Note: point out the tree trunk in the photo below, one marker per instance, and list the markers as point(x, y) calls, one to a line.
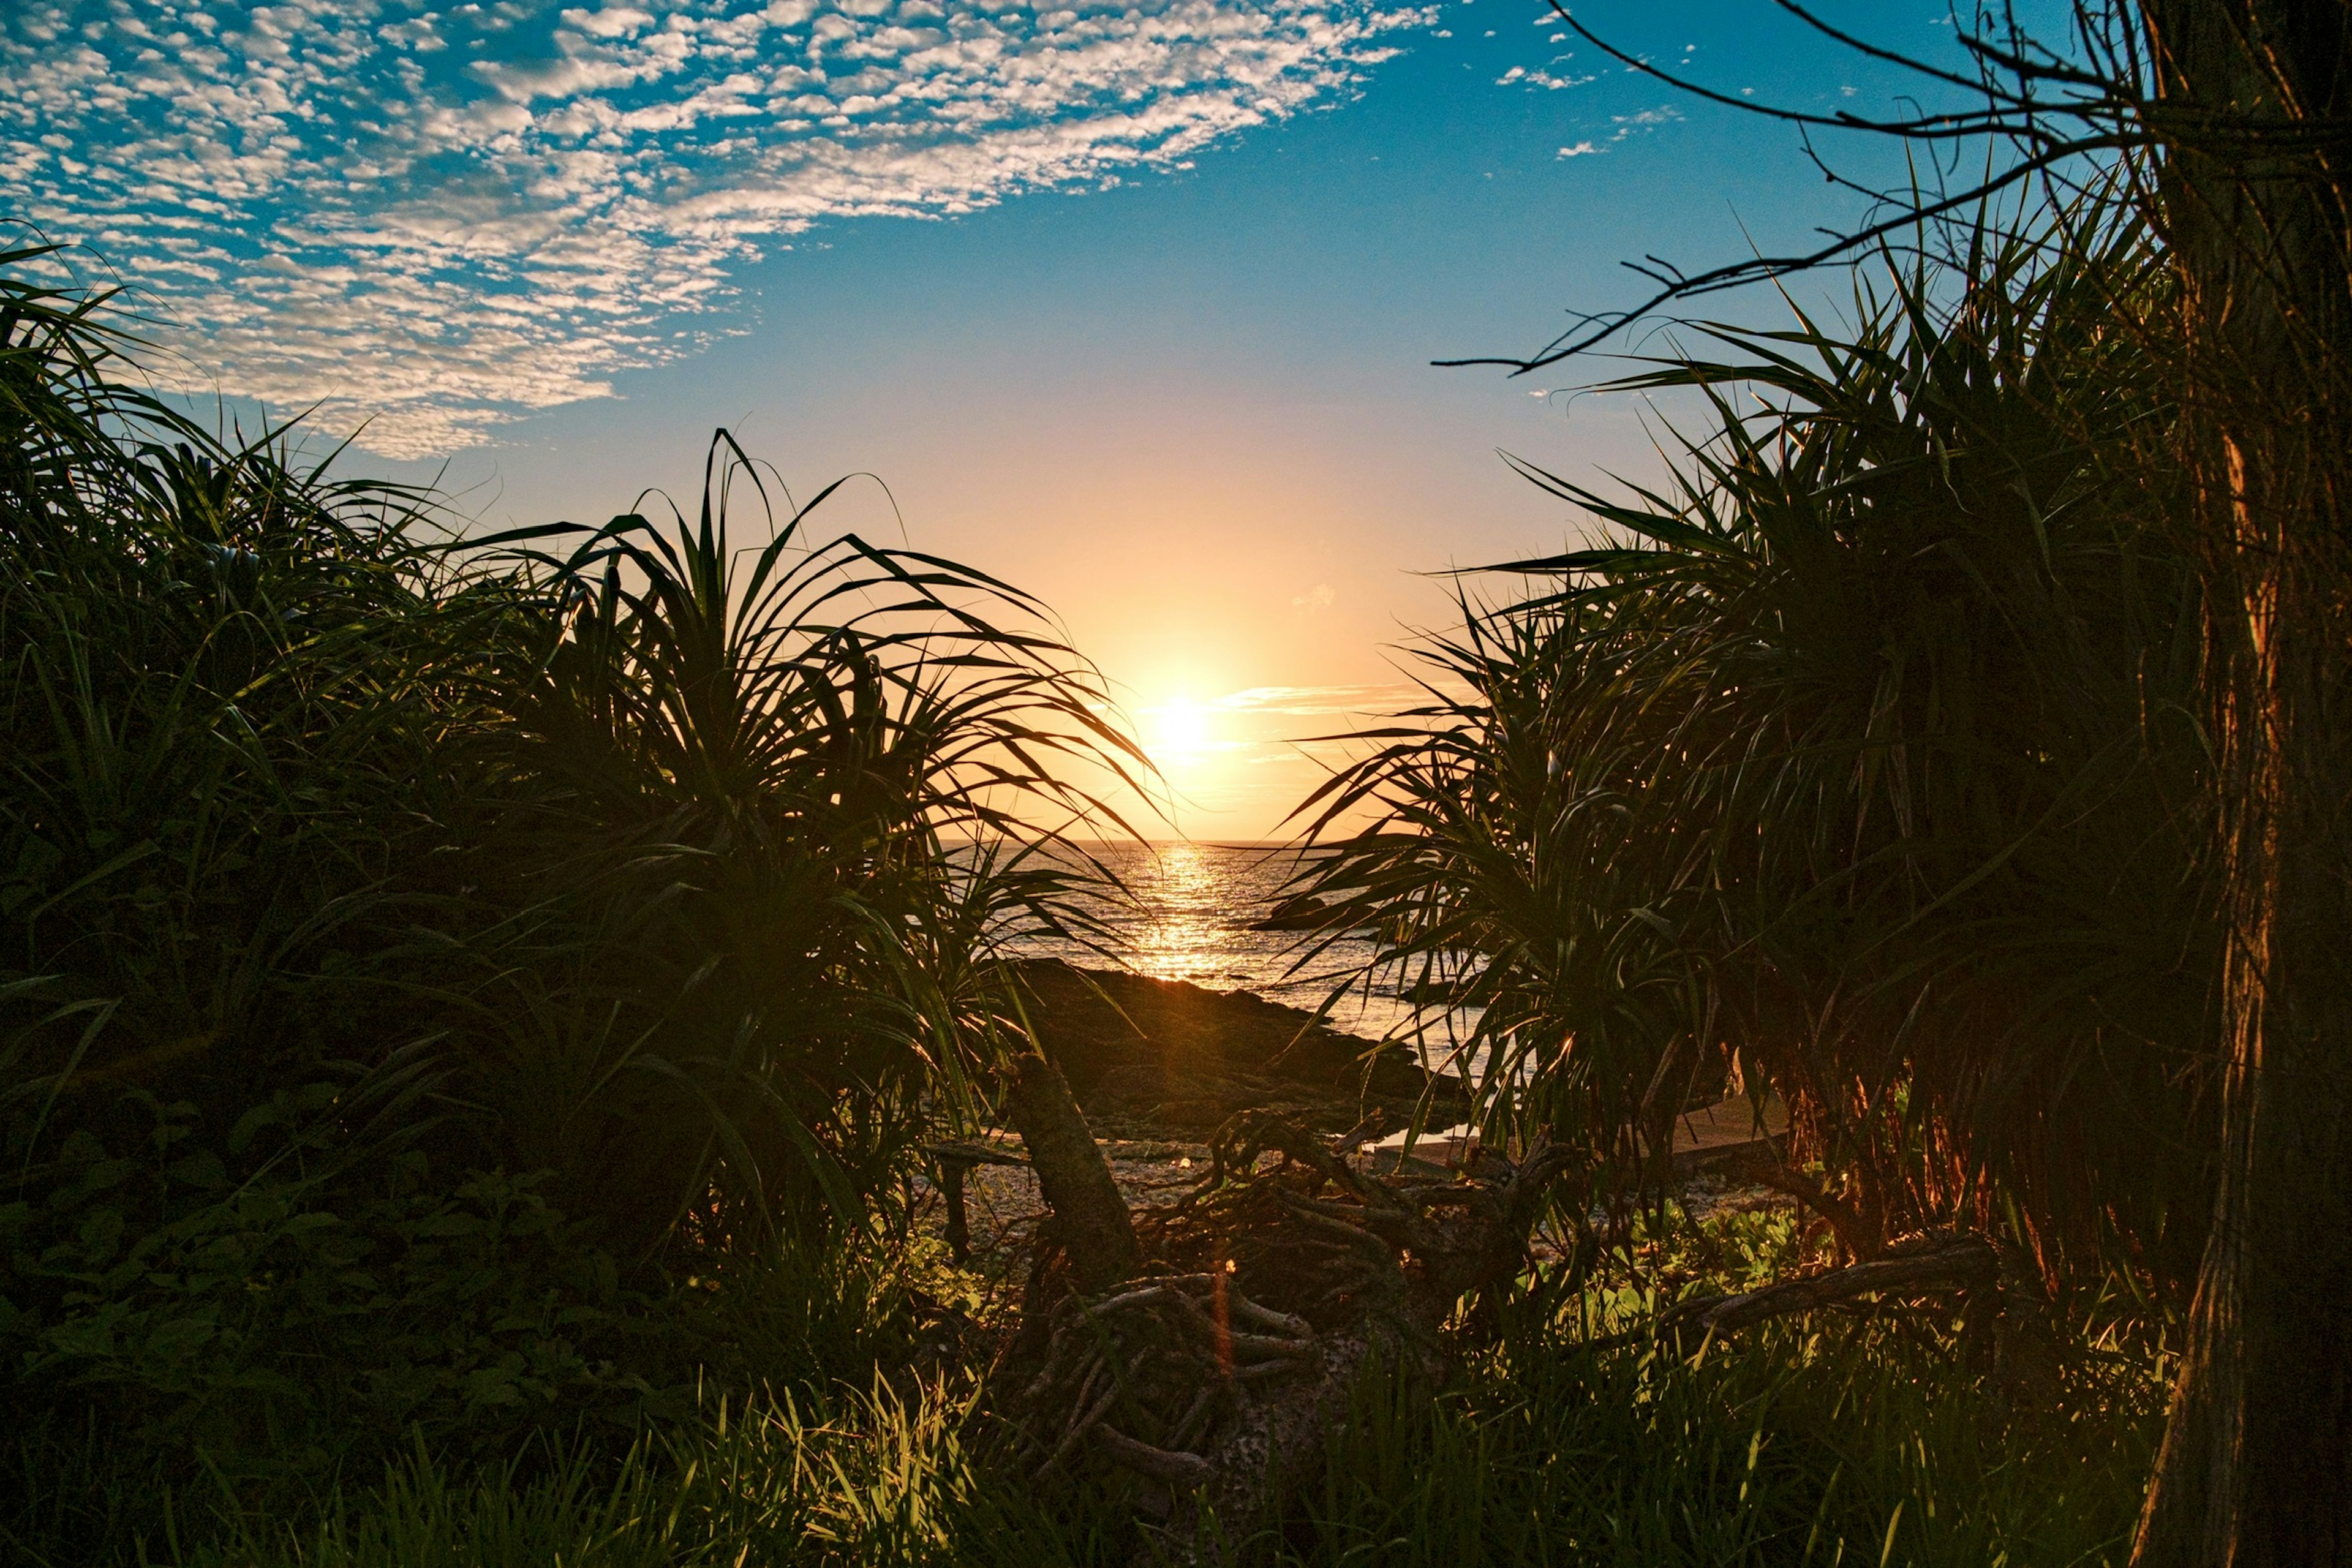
point(2256, 1467)
point(1090, 1218)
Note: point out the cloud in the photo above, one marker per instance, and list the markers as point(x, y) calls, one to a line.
point(1582, 150)
point(1321, 702)
point(1542, 77)
point(1319, 597)
point(448, 215)
point(1643, 120)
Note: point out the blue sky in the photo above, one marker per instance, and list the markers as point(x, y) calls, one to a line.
point(1129, 303)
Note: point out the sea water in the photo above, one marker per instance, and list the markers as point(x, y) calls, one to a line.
point(1190, 915)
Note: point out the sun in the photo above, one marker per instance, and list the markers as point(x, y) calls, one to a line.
point(1179, 728)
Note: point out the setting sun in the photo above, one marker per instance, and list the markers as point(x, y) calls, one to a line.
point(1180, 730)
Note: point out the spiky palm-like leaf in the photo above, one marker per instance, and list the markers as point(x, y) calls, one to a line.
point(1864, 753)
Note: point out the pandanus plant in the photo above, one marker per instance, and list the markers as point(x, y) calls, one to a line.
point(674, 871)
point(825, 777)
point(225, 672)
point(1862, 755)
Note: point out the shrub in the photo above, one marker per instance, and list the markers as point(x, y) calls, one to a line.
point(433, 970)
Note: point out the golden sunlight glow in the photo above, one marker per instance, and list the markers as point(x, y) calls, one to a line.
point(1179, 731)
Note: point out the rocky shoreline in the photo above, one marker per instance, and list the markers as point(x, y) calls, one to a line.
point(1158, 1065)
point(1166, 1059)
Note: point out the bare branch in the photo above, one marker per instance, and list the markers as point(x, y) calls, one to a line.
point(1595, 330)
point(2107, 114)
point(2014, 117)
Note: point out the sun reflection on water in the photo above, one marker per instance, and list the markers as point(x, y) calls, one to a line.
point(1190, 920)
point(1189, 925)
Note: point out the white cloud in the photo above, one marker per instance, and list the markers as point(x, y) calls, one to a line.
point(1543, 77)
point(1319, 701)
point(1319, 597)
point(444, 216)
point(1643, 120)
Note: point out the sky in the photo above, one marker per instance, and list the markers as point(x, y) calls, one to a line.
point(1132, 305)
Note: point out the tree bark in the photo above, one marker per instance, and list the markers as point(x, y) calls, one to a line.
point(1090, 1218)
point(2256, 1466)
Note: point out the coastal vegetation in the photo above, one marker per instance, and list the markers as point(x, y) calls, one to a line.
point(478, 1006)
point(464, 990)
point(481, 1017)
point(1864, 768)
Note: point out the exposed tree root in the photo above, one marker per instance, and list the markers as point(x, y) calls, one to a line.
point(2001, 1298)
point(1965, 1262)
point(1230, 1355)
point(1212, 1346)
point(1206, 1347)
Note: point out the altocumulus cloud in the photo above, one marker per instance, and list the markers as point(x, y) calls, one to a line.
point(443, 216)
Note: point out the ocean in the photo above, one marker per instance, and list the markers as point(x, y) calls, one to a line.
point(1190, 919)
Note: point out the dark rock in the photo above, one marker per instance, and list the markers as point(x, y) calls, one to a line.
point(1170, 1057)
point(1301, 913)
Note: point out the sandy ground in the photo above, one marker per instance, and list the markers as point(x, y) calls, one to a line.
point(1002, 1204)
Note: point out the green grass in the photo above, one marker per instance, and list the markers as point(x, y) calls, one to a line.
point(1798, 1447)
point(1846, 1445)
point(874, 1478)
point(1828, 1439)
point(1836, 1441)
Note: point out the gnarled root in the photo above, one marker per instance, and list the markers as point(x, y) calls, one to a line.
point(1966, 1261)
point(2000, 1300)
point(1145, 1371)
point(1233, 1353)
